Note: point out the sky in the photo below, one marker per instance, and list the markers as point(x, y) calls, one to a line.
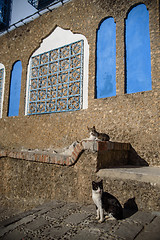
point(20, 10)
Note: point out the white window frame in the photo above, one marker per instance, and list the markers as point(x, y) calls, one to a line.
point(59, 38)
point(2, 89)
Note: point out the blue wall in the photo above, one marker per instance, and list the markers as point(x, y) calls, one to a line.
point(15, 89)
point(106, 59)
point(138, 58)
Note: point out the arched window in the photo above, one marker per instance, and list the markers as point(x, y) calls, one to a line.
point(15, 89)
point(106, 59)
point(58, 74)
point(138, 57)
point(2, 82)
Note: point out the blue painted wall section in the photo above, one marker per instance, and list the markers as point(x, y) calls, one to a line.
point(106, 59)
point(138, 57)
point(15, 89)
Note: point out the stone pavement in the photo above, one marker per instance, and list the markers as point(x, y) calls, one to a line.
point(60, 220)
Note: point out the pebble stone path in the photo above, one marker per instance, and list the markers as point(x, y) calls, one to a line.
point(73, 221)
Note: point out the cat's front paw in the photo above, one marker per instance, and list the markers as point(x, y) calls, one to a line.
point(101, 220)
point(97, 218)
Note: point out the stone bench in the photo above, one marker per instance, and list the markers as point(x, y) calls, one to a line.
point(140, 183)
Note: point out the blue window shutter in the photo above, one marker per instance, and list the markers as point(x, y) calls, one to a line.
point(106, 59)
point(15, 89)
point(138, 57)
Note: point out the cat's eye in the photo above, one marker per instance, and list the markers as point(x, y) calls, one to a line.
point(95, 187)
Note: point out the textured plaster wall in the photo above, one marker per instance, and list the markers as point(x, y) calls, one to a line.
point(130, 118)
point(44, 181)
point(26, 184)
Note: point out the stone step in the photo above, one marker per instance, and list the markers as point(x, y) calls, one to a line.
point(141, 184)
point(141, 174)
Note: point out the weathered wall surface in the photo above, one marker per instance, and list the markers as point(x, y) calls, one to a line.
point(26, 184)
point(130, 118)
point(30, 183)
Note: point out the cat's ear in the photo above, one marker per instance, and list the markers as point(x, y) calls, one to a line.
point(94, 127)
point(101, 182)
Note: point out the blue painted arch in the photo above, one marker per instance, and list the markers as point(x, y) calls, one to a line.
point(106, 59)
point(15, 89)
point(138, 53)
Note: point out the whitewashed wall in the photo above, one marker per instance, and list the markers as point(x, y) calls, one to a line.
point(2, 91)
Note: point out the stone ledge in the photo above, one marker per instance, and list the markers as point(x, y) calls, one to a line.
point(60, 159)
point(141, 174)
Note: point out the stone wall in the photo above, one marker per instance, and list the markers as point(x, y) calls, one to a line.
point(29, 183)
point(132, 118)
point(25, 184)
point(109, 154)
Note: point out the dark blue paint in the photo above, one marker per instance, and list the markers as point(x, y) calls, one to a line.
point(106, 59)
point(5, 11)
point(15, 89)
point(138, 58)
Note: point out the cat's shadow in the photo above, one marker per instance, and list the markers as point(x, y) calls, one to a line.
point(130, 208)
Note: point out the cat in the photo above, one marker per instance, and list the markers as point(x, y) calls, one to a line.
point(96, 135)
point(105, 201)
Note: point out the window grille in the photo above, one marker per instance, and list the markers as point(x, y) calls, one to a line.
point(1, 88)
point(56, 80)
point(4, 13)
point(38, 4)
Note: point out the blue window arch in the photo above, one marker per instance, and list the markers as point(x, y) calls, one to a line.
point(138, 57)
point(106, 59)
point(15, 89)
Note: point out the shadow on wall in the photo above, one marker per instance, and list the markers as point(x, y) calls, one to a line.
point(130, 208)
point(135, 159)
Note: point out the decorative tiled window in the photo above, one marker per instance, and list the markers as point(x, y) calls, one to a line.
point(38, 4)
point(1, 89)
point(55, 83)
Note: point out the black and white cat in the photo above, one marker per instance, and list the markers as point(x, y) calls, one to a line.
point(105, 201)
point(96, 135)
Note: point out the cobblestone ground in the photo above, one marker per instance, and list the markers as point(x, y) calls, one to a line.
point(59, 220)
